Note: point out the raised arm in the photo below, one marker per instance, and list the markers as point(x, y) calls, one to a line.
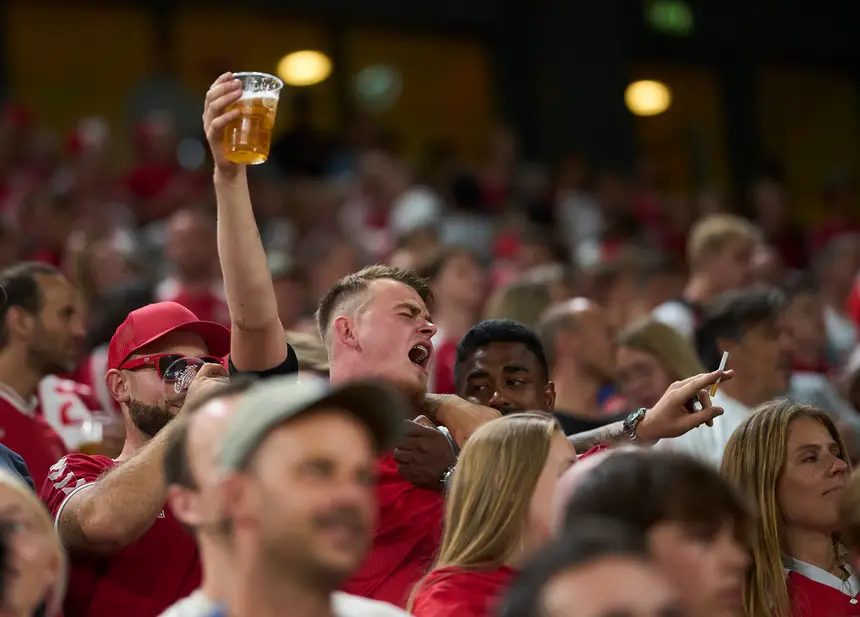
point(258, 342)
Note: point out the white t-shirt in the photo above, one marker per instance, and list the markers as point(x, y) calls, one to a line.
point(195, 605)
point(344, 605)
point(709, 442)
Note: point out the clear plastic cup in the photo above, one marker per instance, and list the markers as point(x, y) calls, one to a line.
point(248, 138)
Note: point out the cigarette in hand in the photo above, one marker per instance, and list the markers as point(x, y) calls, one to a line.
point(723, 363)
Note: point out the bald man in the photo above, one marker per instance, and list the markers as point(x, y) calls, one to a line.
point(193, 480)
point(579, 346)
point(571, 479)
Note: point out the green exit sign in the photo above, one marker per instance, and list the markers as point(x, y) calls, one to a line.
point(669, 17)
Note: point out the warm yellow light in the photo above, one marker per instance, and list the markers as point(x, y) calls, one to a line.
point(304, 68)
point(647, 98)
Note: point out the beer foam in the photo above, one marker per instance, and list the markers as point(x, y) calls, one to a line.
point(247, 94)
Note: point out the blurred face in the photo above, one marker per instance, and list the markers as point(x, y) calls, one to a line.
point(730, 267)
point(594, 344)
point(642, 377)
point(57, 333)
point(191, 246)
point(508, 377)
point(763, 357)
point(143, 392)
point(540, 522)
point(707, 570)
point(391, 329)
point(461, 282)
point(595, 590)
point(202, 508)
point(804, 318)
point(813, 478)
point(767, 267)
point(845, 266)
point(307, 505)
point(32, 565)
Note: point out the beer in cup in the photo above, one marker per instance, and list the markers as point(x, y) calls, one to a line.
point(247, 139)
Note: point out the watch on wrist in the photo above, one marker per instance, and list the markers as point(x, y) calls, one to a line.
point(447, 476)
point(631, 422)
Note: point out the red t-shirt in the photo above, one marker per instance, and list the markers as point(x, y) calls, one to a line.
point(854, 304)
point(142, 579)
point(210, 305)
point(407, 537)
point(24, 431)
point(811, 598)
point(465, 593)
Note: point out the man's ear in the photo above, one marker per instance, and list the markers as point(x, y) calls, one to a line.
point(344, 331)
point(549, 393)
point(184, 505)
point(117, 385)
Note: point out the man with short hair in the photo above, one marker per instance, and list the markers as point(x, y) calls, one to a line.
point(298, 460)
point(578, 576)
point(719, 255)
point(41, 333)
point(750, 325)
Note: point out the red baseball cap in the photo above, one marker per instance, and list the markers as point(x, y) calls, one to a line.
point(153, 321)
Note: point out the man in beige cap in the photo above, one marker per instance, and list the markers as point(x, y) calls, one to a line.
point(299, 503)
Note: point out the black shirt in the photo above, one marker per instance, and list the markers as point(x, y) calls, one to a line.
point(287, 367)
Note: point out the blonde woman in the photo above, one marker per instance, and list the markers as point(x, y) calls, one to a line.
point(34, 563)
point(791, 461)
point(650, 357)
point(498, 514)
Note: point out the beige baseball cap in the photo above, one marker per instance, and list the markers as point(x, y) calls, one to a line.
point(276, 400)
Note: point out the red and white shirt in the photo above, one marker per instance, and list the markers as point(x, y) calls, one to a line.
point(67, 405)
point(142, 579)
point(23, 430)
point(814, 592)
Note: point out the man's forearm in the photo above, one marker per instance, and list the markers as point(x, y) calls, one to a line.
point(608, 435)
point(126, 501)
point(258, 341)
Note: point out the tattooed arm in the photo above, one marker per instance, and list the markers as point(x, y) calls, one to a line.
point(608, 435)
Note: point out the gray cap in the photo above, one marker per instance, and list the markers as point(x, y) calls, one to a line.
point(276, 400)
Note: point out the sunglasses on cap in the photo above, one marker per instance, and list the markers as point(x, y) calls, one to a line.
point(169, 366)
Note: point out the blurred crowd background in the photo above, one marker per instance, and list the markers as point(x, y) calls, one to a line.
point(568, 145)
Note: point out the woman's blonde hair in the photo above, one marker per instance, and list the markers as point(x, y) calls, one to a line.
point(54, 600)
point(523, 300)
point(492, 487)
point(754, 460)
point(666, 344)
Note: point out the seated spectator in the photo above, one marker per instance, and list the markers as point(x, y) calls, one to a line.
point(497, 514)
point(790, 460)
point(650, 356)
point(697, 526)
point(35, 563)
point(577, 576)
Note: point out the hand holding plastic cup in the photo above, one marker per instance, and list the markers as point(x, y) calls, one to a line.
point(248, 138)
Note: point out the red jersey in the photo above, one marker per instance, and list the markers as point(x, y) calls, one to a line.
point(464, 593)
point(142, 579)
point(854, 304)
point(25, 432)
point(210, 305)
point(819, 596)
point(407, 537)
